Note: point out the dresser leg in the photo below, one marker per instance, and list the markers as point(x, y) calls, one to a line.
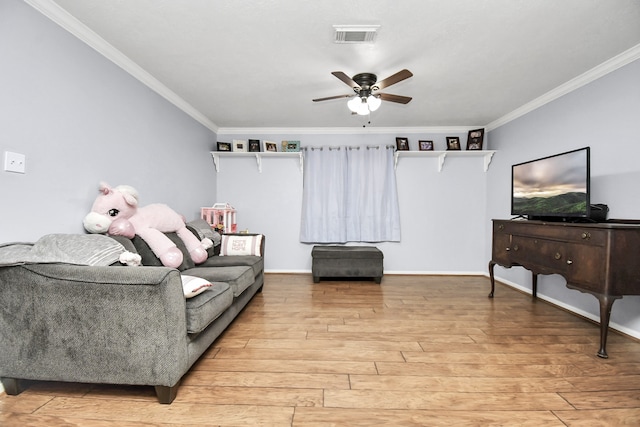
point(493, 280)
point(605, 313)
point(534, 285)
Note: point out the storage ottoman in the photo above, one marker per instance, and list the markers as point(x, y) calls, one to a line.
point(346, 261)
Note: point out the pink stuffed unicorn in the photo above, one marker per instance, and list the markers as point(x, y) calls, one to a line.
point(115, 211)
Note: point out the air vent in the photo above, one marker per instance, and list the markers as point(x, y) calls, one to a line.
point(355, 33)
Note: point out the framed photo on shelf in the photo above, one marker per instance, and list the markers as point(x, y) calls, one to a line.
point(425, 145)
point(475, 138)
point(254, 145)
point(224, 146)
point(239, 146)
point(453, 143)
point(291, 146)
point(402, 144)
point(270, 146)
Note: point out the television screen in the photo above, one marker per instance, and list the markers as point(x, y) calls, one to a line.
point(555, 186)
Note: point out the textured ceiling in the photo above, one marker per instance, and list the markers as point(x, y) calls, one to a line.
point(259, 63)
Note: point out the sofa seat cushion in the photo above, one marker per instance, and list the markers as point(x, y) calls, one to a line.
point(206, 307)
point(238, 277)
point(255, 262)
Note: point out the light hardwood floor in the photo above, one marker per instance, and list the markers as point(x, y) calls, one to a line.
point(413, 351)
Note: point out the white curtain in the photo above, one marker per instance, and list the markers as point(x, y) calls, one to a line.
point(349, 195)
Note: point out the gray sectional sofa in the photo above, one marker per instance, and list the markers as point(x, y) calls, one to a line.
point(118, 324)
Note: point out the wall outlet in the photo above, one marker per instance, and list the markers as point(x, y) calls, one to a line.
point(14, 162)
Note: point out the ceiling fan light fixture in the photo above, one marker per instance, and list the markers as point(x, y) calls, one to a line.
point(363, 108)
point(373, 102)
point(354, 104)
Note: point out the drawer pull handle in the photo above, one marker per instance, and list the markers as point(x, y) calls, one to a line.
point(501, 227)
point(515, 248)
point(586, 235)
point(507, 249)
point(557, 255)
point(569, 262)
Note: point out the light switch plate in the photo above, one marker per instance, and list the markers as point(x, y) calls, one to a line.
point(14, 162)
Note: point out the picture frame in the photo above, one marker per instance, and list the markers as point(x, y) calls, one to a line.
point(254, 145)
point(475, 139)
point(425, 145)
point(402, 144)
point(224, 146)
point(291, 146)
point(269, 146)
point(239, 146)
point(453, 143)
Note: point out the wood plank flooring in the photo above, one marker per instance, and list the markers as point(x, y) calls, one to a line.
point(413, 351)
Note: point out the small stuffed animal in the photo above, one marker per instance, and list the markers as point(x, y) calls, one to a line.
point(116, 212)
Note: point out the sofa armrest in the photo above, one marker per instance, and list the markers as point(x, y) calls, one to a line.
point(63, 322)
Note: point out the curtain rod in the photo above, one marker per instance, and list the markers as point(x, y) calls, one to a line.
point(346, 147)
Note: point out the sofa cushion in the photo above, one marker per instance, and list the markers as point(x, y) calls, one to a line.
point(234, 245)
point(150, 259)
point(255, 262)
point(239, 278)
point(127, 243)
point(192, 285)
point(208, 306)
point(202, 230)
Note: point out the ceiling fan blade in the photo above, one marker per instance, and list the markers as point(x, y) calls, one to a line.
point(391, 80)
point(332, 97)
point(395, 98)
point(346, 79)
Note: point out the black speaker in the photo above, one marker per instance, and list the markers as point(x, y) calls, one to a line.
point(598, 213)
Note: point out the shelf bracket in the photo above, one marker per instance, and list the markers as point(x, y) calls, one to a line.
point(441, 158)
point(216, 161)
point(487, 160)
point(259, 162)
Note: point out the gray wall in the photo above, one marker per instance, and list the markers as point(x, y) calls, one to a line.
point(80, 119)
point(603, 115)
point(442, 213)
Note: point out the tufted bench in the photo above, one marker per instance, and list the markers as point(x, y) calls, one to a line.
point(346, 261)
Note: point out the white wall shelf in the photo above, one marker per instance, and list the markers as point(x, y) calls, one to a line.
point(442, 155)
point(259, 156)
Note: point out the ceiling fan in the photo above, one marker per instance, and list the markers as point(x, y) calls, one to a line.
point(366, 86)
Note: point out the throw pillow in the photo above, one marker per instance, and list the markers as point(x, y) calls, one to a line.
point(192, 285)
point(241, 245)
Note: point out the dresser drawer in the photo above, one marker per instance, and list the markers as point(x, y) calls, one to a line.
point(540, 255)
point(578, 263)
point(563, 232)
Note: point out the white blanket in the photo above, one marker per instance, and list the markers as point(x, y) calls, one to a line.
point(81, 249)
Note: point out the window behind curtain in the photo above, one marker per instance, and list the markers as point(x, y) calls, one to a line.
point(349, 195)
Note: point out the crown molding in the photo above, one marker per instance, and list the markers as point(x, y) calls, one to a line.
point(585, 78)
point(61, 17)
point(346, 130)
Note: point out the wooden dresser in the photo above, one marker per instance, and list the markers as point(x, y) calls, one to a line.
point(601, 259)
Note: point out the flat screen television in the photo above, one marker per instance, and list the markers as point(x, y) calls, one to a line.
point(553, 188)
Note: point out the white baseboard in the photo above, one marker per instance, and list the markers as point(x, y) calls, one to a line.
point(398, 273)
